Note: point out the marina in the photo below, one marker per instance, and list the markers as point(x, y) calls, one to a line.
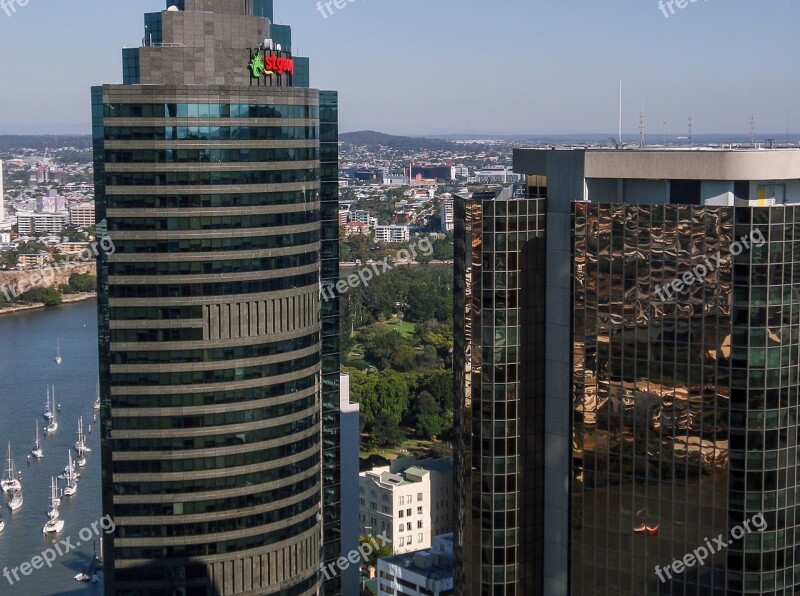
point(28, 370)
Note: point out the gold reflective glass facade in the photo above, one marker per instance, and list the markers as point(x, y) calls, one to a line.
point(684, 397)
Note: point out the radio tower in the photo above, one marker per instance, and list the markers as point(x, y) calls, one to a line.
point(641, 127)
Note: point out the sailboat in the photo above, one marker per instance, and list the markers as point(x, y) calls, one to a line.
point(81, 446)
point(72, 480)
point(96, 405)
point(55, 502)
point(2, 525)
point(37, 448)
point(16, 501)
point(58, 352)
point(54, 526)
point(10, 482)
point(48, 415)
point(53, 426)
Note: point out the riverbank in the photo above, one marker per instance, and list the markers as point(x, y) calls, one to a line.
point(68, 299)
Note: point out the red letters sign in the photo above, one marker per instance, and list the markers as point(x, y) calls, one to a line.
point(280, 65)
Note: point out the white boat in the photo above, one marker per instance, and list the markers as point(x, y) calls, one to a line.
point(2, 525)
point(54, 526)
point(16, 501)
point(81, 446)
point(81, 461)
point(96, 405)
point(10, 482)
point(48, 415)
point(58, 352)
point(55, 502)
point(71, 477)
point(37, 448)
point(53, 426)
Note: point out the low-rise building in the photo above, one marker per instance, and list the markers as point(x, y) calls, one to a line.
point(409, 501)
point(41, 223)
point(356, 228)
point(82, 215)
point(392, 234)
point(33, 260)
point(428, 572)
point(73, 248)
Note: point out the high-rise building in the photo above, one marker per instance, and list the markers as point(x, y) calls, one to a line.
point(216, 175)
point(627, 375)
point(2, 194)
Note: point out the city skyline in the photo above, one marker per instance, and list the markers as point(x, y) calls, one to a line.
point(565, 68)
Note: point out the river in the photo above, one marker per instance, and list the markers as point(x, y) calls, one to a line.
point(27, 350)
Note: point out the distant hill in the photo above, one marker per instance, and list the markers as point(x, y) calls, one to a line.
point(43, 141)
point(372, 139)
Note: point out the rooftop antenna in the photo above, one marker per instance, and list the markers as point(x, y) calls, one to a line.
point(753, 130)
point(690, 131)
point(619, 138)
point(641, 127)
point(665, 134)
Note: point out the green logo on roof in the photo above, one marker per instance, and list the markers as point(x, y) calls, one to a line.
point(257, 66)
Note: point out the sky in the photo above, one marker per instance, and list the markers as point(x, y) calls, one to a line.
point(421, 67)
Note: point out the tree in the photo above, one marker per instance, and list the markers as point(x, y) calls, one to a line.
point(392, 393)
point(439, 450)
point(429, 416)
point(386, 431)
point(47, 296)
point(383, 550)
point(81, 282)
point(404, 359)
point(427, 358)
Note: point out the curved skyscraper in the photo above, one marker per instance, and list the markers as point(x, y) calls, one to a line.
point(208, 175)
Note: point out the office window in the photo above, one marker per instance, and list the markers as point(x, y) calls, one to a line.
point(419, 497)
point(419, 525)
point(400, 528)
point(419, 538)
point(401, 513)
point(408, 526)
point(419, 510)
point(408, 512)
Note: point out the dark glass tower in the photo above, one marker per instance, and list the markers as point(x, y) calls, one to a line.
point(498, 363)
point(214, 174)
point(656, 381)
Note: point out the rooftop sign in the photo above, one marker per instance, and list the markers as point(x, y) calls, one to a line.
point(269, 63)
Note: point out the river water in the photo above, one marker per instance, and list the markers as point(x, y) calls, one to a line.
point(27, 350)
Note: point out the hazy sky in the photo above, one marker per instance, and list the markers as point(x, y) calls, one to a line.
point(452, 66)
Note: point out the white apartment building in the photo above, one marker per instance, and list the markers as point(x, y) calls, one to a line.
point(410, 502)
point(495, 175)
point(392, 234)
point(446, 215)
point(427, 572)
point(38, 223)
